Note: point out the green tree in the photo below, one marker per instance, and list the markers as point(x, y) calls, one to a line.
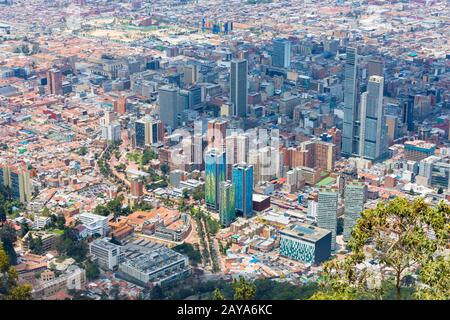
point(397, 236)
point(8, 281)
point(243, 290)
point(157, 293)
point(92, 270)
point(217, 295)
point(435, 276)
point(164, 168)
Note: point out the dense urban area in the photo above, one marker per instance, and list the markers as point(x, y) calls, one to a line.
point(224, 150)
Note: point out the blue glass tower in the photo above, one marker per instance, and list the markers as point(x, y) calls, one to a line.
point(215, 173)
point(243, 185)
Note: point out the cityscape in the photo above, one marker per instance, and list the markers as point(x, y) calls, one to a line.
point(224, 150)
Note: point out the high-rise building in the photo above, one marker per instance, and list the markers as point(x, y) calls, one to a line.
point(227, 212)
point(120, 105)
point(355, 196)
point(350, 132)
point(137, 187)
point(239, 87)
point(327, 212)
point(217, 131)
point(243, 186)
point(191, 73)
point(281, 56)
point(375, 67)
point(20, 184)
point(169, 111)
point(139, 129)
point(373, 142)
point(54, 82)
point(148, 132)
point(215, 173)
point(408, 113)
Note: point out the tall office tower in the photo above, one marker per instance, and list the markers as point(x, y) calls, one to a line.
point(408, 113)
point(20, 184)
point(154, 131)
point(350, 139)
point(215, 173)
point(336, 135)
point(281, 56)
point(5, 176)
point(217, 131)
point(137, 187)
point(327, 212)
point(243, 186)
point(120, 105)
point(198, 151)
point(139, 129)
point(375, 68)
point(191, 74)
point(239, 87)
point(355, 196)
point(54, 82)
point(227, 212)
point(169, 111)
point(373, 144)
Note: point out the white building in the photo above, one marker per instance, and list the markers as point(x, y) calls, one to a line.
point(94, 223)
point(106, 253)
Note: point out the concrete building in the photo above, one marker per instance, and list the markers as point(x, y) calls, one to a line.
point(106, 254)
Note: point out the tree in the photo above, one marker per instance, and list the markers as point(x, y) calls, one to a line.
point(217, 295)
point(157, 293)
point(164, 168)
point(20, 293)
point(8, 281)
point(185, 193)
point(92, 270)
point(440, 190)
point(8, 237)
point(401, 237)
point(435, 276)
point(243, 290)
point(2, 216)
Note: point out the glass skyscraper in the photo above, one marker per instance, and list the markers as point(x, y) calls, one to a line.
point(327, 212)
point(239, 87)
point(350, 131)
point(215, 173)
point(281, 56)
point(227, 212)
point(243, 185)
point(355, 197)
point(373, 124)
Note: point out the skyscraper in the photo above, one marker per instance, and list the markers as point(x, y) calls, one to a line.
point(375, 67)
point(139, 129)
point(215, 173)
point(54, 81)
point(281, 56)
point(168, 106)
point(243, 186)
point(227, 212)
point(19, 182)
point(373, 143)
point(239, 87)
point(327, 212)
point(355, 197)
point(350, 139)
point(148, 132)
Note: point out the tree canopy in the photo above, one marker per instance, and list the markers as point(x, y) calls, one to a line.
point(389, 244)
